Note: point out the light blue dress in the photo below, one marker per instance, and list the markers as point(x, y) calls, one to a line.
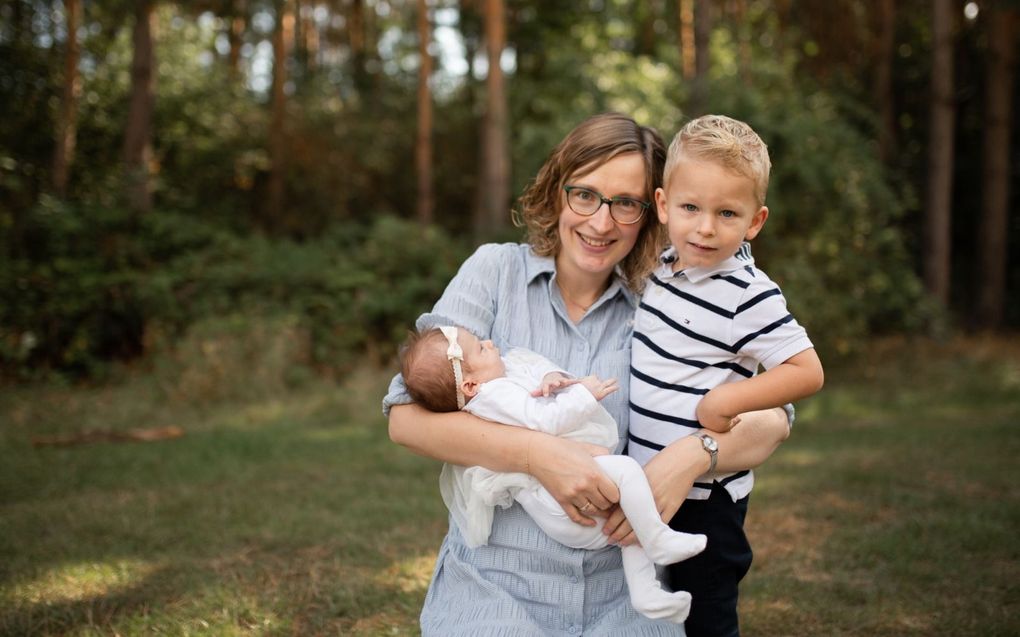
point(522, 582)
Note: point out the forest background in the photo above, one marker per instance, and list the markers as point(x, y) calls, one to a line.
point(208, 165)
point(223, 215)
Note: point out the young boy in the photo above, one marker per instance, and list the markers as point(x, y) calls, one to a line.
point(448, 368)
point(706, 321)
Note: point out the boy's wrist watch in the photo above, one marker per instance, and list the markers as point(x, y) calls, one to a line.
point(709, 444)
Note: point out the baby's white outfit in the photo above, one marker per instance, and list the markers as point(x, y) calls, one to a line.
point(471, 492)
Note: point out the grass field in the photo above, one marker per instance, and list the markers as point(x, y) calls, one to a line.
point(892, 510)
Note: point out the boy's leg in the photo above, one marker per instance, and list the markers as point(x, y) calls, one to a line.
point(661, 543)
point(712, 577)
point(646, 595)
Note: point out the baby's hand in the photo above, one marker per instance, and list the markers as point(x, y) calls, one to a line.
point(599, 388)
point(553, 382)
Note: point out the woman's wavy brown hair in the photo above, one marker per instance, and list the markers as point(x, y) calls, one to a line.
point(592, 143)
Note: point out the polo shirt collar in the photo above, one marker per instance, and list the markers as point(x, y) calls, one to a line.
point(738, 261)
point(535, 266)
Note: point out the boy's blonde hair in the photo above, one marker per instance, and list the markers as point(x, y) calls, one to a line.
point(727, 141)
point(427, 371)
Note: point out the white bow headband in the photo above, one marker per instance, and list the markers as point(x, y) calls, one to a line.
point(456, 356)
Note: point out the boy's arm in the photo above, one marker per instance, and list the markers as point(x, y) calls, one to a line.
point(798, 377)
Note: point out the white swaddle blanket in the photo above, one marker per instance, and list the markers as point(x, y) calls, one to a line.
point(471, 493)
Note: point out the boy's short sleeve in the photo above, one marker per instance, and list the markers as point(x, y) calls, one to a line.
point(765, 329)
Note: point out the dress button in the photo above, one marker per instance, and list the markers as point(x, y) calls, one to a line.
point(573, 630)
point(573, 579)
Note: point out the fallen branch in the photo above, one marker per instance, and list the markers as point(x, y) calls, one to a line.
point(108, 435)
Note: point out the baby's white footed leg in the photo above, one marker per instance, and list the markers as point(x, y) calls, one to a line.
point(673, 546)
point(661, 543)
point(646, 594)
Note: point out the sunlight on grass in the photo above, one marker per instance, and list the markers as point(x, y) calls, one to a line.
point(81, 581)
point(889, 512)
point(411, 575)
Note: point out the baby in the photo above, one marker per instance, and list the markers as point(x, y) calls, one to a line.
point(448, 369)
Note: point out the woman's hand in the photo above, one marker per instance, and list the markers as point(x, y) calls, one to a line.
point(566, 469)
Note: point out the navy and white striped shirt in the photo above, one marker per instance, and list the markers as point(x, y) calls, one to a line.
point(696, 329)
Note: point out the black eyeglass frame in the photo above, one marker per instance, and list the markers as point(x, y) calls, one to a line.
point(609, 202)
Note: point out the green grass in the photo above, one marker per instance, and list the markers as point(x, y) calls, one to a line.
point(891, 511)
point(289, 515)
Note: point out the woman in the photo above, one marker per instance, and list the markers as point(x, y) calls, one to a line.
point(568, 294)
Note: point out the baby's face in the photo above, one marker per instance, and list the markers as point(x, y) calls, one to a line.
point(481, 358)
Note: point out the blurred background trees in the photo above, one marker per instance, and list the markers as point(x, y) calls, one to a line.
point(165, 165)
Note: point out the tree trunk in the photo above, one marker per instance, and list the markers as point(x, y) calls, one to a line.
point(311, 37)
point(994, 227)
point(63, 156)
point(940, 156)
point(423, 147)
point(685, 15)
point(743, 37)
point(702, 39)
point(282, 35)
point(644, 36)
point(137, 139)
point(885, 50)
point(358, 38)
point(494, 193)
point(238, 25)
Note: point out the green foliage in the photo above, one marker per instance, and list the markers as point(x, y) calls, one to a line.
point(100, 284)
point(834, 238)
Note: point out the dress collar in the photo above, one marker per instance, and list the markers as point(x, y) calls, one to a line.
point(536, 266)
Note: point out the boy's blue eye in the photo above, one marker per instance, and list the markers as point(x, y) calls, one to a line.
point(689, 207)
point(728, 214)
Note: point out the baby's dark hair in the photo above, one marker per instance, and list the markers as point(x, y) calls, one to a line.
point(428, 373)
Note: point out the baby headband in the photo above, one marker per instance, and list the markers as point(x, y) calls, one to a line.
point(456, 356)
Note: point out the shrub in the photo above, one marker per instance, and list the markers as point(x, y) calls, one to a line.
point(97, 284)
point(834, 240)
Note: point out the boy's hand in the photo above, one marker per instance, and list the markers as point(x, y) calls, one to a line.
point(599, 388)
point(553, 382)
point(712, 414)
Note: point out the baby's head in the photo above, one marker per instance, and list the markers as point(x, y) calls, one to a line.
point(442, 365)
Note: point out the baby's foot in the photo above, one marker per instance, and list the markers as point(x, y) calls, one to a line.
point(659, 604)
point(675, 546)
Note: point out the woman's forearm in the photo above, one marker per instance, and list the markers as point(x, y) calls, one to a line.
point(460, 438)
point(672, 471)
point(564, 467)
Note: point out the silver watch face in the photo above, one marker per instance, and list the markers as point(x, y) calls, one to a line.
point(709, 443)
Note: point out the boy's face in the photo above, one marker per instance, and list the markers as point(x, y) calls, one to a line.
point(481, 358)
point(709, 211)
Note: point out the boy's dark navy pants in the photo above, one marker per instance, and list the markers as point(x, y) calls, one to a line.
point(712, 576)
